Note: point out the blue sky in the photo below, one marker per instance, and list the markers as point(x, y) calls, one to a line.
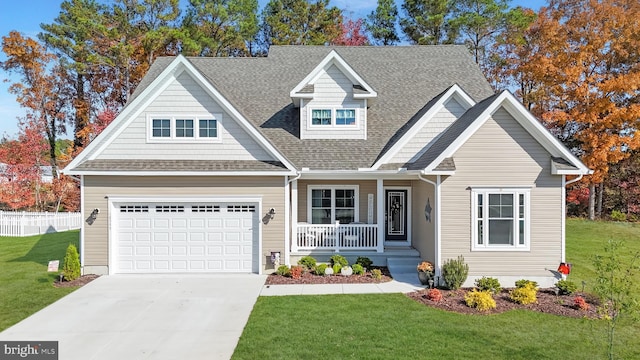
point(26, 17)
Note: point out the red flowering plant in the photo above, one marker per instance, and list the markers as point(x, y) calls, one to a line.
point(580, 303)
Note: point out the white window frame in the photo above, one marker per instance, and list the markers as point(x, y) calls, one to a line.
point(333, 125)
point(333, 188)
point(196, 138)
point(516, 192)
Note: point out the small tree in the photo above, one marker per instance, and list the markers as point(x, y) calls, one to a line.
point(614, 285)
point(71, 267)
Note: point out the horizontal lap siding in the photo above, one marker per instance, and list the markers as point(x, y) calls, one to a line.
point(184, 97)
point(423, 237)
point(502, 153)
point(98, 188)
point(365, 187)
point(333, 89)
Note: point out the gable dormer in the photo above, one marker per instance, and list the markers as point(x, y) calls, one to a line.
point(333, 101)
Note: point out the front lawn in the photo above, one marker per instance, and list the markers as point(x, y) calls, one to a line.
point(396, 327)
point(25, 284)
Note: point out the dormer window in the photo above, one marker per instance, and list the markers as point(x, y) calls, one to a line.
point(333, 117)
point(204, 128)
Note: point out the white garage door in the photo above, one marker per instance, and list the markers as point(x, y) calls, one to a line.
point(162, 238)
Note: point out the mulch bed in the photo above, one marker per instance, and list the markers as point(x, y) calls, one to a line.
point(82, 280)
point(548, 302)
point(309, 278)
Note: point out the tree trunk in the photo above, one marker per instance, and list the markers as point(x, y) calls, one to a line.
point(592, 201)
point(600, 192)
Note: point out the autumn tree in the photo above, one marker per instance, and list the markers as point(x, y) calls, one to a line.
point(583, 60)
point(381, 23)
point(300, 22)
point(352, 33)
point(426, 22)
point(222, 27)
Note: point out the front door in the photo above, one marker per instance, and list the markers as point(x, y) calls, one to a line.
point(396, 215)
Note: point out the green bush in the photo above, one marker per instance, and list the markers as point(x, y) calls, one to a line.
point(455, 272)
point(308, 262)
point(567, 287)
point(71, 267)
point(488, 284)
point(481, 300)
point(340, 260)
point(357, 269)
point(283, 270)
point(618, 216)
point(376, 274)
point(523, 282)
point(364, 261)
point(320, 268)
point(336, 268)
point(525, 295)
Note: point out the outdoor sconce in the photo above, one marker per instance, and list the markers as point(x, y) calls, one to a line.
point(564, 268)
point(92, 217)
point(272, 212)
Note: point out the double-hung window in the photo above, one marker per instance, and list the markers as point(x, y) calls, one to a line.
point(328, 204)
point(333, 117)
point(184, 128)
point(500, 219)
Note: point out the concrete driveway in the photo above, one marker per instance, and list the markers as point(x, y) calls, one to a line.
point(147, 317)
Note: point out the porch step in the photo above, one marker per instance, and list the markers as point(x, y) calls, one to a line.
point(405, 264)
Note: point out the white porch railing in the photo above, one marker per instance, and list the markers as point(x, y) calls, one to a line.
point(35, 223)
point(336, 237)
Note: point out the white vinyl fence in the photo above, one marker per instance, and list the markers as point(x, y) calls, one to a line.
point(35, 223)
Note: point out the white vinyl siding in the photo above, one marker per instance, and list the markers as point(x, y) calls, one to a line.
point(503, 154)
point(185, 99)
point(420, 142)
point(333, 91)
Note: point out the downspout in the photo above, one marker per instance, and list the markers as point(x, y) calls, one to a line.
point(563, 252)
point(436, 189)
point(287, 217)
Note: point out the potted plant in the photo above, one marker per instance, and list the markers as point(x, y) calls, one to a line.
point(425, 272)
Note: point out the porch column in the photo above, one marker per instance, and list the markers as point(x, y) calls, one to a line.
point(294, 216)
point(380, 215)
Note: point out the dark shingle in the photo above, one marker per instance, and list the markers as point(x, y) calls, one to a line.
point(179, 165)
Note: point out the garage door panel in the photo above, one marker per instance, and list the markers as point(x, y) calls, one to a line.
point(187, 238)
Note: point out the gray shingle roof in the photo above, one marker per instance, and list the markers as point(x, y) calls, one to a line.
point(405, 78)
point(563, 164)
point(179, 165)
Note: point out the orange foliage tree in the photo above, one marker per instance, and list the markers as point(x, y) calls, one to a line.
point(582, 61)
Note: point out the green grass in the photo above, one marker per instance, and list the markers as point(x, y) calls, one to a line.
point(393, 326)
point(25, 284)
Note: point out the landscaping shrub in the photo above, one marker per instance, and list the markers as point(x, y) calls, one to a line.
point(488, 284)
point(617, 215)
point(340, 260)
point(580, 303)
point(283, 270)
point(357, 269)
point(320, 268)
point(71, 267)
point(364, 261)
point(296, 271)
point(308, 262)
point(434, 295)
point(525, 295)
point(336, 268)
point(523, 282)
point(567, 287)
point(376, 274)
point(454, 272)
point(481, 300)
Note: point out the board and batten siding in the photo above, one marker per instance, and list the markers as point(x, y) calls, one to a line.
point(184, 98)
point(451, 111)
point(365, 188)
point(333, 90)
point(97, 189)
point(503, 153)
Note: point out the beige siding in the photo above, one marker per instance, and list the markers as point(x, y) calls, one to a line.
point(184, 98)
point(502, 153)
point(423, 232)
point(451, 111)
point(365, 187)
point(332, 90)
point(98, 189)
